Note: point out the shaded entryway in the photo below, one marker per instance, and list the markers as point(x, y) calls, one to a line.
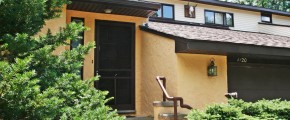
point(115, 55)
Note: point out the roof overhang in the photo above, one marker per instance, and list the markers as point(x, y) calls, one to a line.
point(119, 7)
point(239, 6)
point(222, 48)
point(194, 46)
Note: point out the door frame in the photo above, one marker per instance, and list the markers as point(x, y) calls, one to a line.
point(96, 55)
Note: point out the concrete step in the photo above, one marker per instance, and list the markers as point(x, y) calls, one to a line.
point(163, 104)
point(139, 118)
point(170, 116)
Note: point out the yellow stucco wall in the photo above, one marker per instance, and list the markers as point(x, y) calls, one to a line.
point(186, 74)
point(195, 86)
point(89, 36)
point(155, 55)
point(158, 59)
point(54, 25)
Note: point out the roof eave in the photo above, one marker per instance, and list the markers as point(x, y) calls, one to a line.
point(128, 3)
point(194, 46)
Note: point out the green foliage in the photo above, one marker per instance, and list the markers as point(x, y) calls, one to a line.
point(240, 110)
point(27, 16)
point(282, 5)
point(34, 82)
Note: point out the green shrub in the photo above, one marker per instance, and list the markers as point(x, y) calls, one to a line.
point(34, 82)
point(240, 110)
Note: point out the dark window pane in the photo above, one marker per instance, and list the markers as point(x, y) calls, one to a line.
point(159, 12)
point(229, 19)
point(75, 43)
point(167, 11)
point(266, 19)
point(80, 41)
point(219, 18)
point(209, 17)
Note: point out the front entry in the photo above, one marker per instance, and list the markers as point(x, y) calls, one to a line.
point(115, 62)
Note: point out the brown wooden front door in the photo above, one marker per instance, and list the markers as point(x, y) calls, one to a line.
point(115, 55)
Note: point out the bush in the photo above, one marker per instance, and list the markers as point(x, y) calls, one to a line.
point(240, 110)
point(34, 82)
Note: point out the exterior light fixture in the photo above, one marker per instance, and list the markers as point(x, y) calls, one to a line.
point(108, 11)
point(212, 69)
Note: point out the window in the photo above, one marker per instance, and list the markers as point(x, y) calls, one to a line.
point(189, 11)
point(266, 17)
point(76, 43)
point(166, 11)
point(219, 18)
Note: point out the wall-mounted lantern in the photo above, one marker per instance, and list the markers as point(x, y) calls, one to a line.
point(212, 69)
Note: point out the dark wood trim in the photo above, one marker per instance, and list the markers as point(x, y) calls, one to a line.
point(154, 6)
point(82, 41)
point(146, 29)
point(127, 24)
point(183, 45)
point(126, 111)
point(226, 48)
point(224, 18)
point(239, 6)
point(188, 23)
point(264, 23)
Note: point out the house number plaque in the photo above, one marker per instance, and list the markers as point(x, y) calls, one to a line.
point(242, 60)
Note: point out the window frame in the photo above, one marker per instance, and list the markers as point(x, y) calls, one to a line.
point(224, 18)
point(162, 11)
point(267, 15)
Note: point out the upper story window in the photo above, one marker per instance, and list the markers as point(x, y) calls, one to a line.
point(166, 11)
point(266, 17)
point(219, 18)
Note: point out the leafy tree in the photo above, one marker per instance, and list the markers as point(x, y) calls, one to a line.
point(34, 82)
point(282, 5)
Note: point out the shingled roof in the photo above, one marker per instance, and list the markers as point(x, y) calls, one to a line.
point(200, 33)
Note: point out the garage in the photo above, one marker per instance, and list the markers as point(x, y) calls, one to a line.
point(256, 78)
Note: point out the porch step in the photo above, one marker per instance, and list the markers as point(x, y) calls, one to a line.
point(170, 116)
point(139, 118)
point(163, 104)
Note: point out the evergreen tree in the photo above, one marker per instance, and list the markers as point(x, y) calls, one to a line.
point(282, 5)
point(34, 82)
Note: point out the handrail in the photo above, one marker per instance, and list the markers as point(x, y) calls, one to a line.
point(174, 99)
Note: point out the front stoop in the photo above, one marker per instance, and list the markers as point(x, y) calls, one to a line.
point(139, 118)
point(170, 116)
point(163, 110)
